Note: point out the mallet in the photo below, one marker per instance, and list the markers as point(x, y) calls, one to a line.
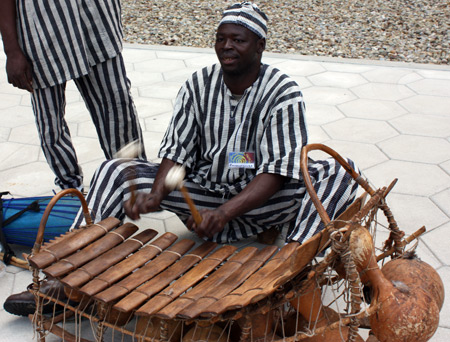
point(174, 179)
point(130, 151)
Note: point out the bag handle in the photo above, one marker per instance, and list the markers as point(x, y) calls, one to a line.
point(48, 209)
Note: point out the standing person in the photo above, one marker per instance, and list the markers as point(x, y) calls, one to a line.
point(48, 43)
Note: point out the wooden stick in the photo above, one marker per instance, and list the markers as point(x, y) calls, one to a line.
point(15, 261)
point(195, 214)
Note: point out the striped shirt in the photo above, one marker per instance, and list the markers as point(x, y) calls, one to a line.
point(64, 38)
point(208, 124)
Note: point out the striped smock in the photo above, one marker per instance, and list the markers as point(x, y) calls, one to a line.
point(209, 123)
point(64, 38)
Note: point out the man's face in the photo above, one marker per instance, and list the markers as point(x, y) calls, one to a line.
point(238, 49)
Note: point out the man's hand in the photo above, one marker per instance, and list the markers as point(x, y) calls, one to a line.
point(144, 203)
point(19, 70)
point(213, 222)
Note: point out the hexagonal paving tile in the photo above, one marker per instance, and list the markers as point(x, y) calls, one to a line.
point(413, 178)
point(372, 109)
point(31, 179)
point(413, 212)
point(133, 54)
point(300, 68)
point(25, 134)
point(364, 155)
point(16, 154)
point(147, 106)
point(442, 200)
point(327, 95)
point(392, 75)
point(4, 134)
point(337, 79)
point(9, 100)
point(159, 65)
point(431, 87)
point(446, 166)
point(158, 123)
point(319, 114)
point(316, 134)
point(420, 124)
point(437, 74)
point(359, 130)
point(139, 78)
point(382, 91)
point(164, 90)
point(348, 67)
point(415, 148)
point(10, 117)
point(423, 104)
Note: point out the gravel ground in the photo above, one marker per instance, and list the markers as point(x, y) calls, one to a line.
point(396, 30)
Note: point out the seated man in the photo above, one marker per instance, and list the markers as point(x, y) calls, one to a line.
point(238, 128)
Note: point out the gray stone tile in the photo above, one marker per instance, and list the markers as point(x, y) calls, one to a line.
point(319, 114)
point(27, 180)
point(347, 67)
point(178, 55)
point(15, 328)
point(435, 239)
point(4, 134)
point(364, 155)
point(152, 142)
point(382, 91)
point(413, 212)
point(302, 81)
point(201, 62)
point(337, 79)
point(359, 130)
point(133, 54)
point(14, 154)
point(84, 129)
point(159, 65)
point(372, 109)
point(392, 75)
point(9, 100)
point(431, 87)
point(416, 149)
point(327, 95)
point(25, 134)
point(163, 90)
point(423, 104)
point(6, 286)
point(435, 74)
point(317, 135)
point(87, 149)
point(442, 200)
point(15, 115)
point(180, 75)
point(413, 178)
point(420, 124)
point(300, 68)
point(446, 166)
point(158, 123)
point(139, 78)
point(148, 106)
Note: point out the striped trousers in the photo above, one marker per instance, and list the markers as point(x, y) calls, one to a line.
point(106, 93)
point(290, 210)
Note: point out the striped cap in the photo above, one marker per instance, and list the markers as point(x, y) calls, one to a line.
point(247, 15)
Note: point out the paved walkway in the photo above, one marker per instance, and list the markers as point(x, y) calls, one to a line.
point(392, 119)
